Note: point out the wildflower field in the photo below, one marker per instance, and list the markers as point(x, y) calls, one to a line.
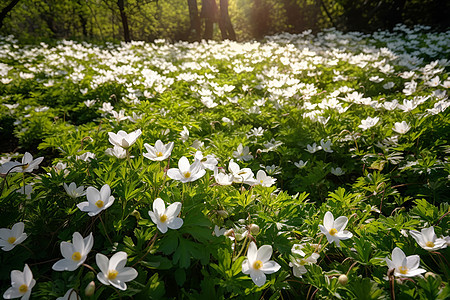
point(298, 167)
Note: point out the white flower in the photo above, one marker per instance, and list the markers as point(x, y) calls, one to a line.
point(9, 238)
point(313, 148)
point(117, 151)
point(337, 171)
point(242, 153)
point(264, 180)
point(334, 229)
point(113, 271)
point(123, 139)
point(218, 231)
point(208, 162)
point(87, 156)
point(185, 171)
point(298, 264)
point(369, 122)
point(71, 294)
point(9, 167)
point(159, 152)
point(184, 134)
point(165, 218)
point(73, 191)
point(300, 164)
point(401, 127)
point(258, 264)
point(28, 164)
point(74, 253)
point(21, 284)
point(244, 175)
point(404, 266)
point(97, 200)
point(222, 178)
point(428, 240)
point(326, 146)
point(89, 103)
point(119, 116)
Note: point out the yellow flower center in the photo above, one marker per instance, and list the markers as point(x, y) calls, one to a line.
point(257, 265)
point(159, 154)
point(112, 274)
point(99, 203)
point(187, 174)
point(11, 240)
point(403, 270)
point(333, 231)
point(23, 288)
point(430, 244)
point(76, 256)
point(163, 218)
point(23, 168)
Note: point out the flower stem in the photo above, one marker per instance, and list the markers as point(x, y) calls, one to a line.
point(104, 227)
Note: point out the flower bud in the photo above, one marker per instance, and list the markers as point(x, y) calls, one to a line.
point(229, 232)
point(430, 274)
point(254, 229)
point(136, 214)
point(343, 279)
point(90, 289)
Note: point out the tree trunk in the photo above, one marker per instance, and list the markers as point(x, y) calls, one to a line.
point(209, 13)
point(195, 20)
point(123, 17)
point(6, 10)
point(226, 28)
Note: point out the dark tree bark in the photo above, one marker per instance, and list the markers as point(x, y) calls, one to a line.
point(123, 17)
point(226, 28)
point(195, 20)
point(260, 19)
point(6, 10)
point(209, 14)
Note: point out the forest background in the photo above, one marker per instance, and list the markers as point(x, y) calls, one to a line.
point(191, 20)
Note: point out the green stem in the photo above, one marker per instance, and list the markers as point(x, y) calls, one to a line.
point(104, 227)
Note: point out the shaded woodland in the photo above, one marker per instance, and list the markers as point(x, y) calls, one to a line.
point(193, 20)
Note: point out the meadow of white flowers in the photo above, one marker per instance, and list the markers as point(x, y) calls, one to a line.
point(299, 167)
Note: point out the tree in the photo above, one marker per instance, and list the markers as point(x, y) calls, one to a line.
point(6, 10)
point(226, 28)
point(124, 18)
point(209, 14)
point(195, 20)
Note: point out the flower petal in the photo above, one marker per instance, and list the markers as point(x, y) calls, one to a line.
point(127, 274)
point(173, 210)
point(175, 223)
point(398, 256)
point(412, 262)
point(270, 267)
point(105, 192)
point(252, 252)
point(328, 221)
point(17, 229)
point(258, 277)
point(264, 253)
point(102, 263)
point(159, 207)
point(340, 223)
point(117, 260)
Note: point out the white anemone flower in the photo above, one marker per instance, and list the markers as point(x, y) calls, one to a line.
point(222, 178)
point(404, 266)
point(428, 240)
point(337, 171)
point(166, 218)
point(401, 127)
point(264, 180)
point(73, 191)
point(313, 148)
point(298, 264)
point(71, 294)
point(244, 175)
point(368, 123)
point(21, 284)
point(9, 238)
point(123, 139)
point(74, 253)
point(208, 162)
point(159, 152)
point(326, 146)
point(185, 171)
point(301, 164)
point(334, 229)
point(258, 263)
point(113, 271)
point(242, 153)
point(28, 163)
point(116, 151)
point(97, 200)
